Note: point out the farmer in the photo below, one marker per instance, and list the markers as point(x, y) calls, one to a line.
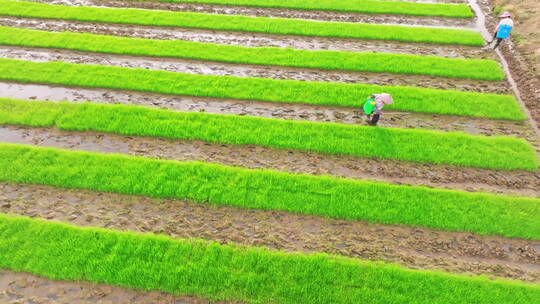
point(374, 105)
point(503, 29)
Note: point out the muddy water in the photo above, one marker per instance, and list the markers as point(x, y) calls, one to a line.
point(244, 70)
point(255, 157)
point(276, 12)
point(250, 39)
point(417, 248)
point(476, 126)
point(24, 288)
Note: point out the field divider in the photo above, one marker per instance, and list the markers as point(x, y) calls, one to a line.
point(481, 69)
point(353, 6)
point(279, 26)
point(411, 99)
point(216, 184)
point(452, 148)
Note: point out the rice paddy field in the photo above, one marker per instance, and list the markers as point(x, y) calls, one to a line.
point(215, 151)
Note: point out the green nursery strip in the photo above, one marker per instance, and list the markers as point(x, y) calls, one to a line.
point(282, 26)
point(363, 141)
point(358, 6)
point(230, 272)
point(272, 190)
point(328, 60)
point(291, 91)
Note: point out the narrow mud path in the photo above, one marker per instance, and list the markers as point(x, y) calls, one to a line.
point(417, 248)
point(476, 126)
point(245, 70)
point(520, 183)
point(249, 39)
point(276, 12)
point(24, 288)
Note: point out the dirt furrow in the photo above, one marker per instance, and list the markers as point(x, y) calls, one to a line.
point(277, 12)
point(19, 288)
point(255, 157)
point(476, 126)
point(418, 248)
point(250, 39)
point(246, 70)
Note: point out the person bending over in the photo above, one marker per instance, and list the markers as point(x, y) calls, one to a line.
point(373, 107)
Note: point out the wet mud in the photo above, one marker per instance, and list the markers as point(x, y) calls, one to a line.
point(249, 39)
point(475, 126)
point(277, 12)
point(413, 247)
point(245, 70)
point(520, 183)
point(24, 288)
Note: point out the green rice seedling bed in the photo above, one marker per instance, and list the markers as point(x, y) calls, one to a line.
point(271, 190)
point(291, 91)
point(280, 26)
point(231, 272)
point(328, 60)
point(384, 143)
point(357, 6)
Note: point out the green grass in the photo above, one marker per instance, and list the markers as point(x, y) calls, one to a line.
point(231, 272)
point(327, 60)
point(290, 91)
point(363, 141)
point(358, 6)
point(272, 190)
point(281, 26)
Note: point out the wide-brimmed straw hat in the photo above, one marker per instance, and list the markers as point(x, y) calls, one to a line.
point(506, 14)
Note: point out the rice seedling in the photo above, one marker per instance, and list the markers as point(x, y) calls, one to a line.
point(363, 141)
point(271, 190)
point(290, 91)
point(280, 26)
point(358, 6)
point(328, 60)
point(231, 272)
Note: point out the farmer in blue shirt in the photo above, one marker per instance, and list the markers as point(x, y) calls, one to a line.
point(503, 29)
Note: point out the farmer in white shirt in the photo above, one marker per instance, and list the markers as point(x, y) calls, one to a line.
point(503, 29)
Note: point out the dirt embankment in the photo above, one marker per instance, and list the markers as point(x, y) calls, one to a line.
point(523, 51)
point(24, 288)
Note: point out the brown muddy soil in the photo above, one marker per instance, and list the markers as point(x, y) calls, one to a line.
point(475, 126)
point(248, 156)
point(250, 39)
point(418, 248)
point(245, 70)
point(276, 12)
point(24, 288)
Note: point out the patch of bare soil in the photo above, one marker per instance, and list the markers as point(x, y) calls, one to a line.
point(526, 33)
point(255, 157)
point(245, 70)
point(413, 247)
point(24, 288)
point(523, 60)
point(274, 12)
point(249, 39)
